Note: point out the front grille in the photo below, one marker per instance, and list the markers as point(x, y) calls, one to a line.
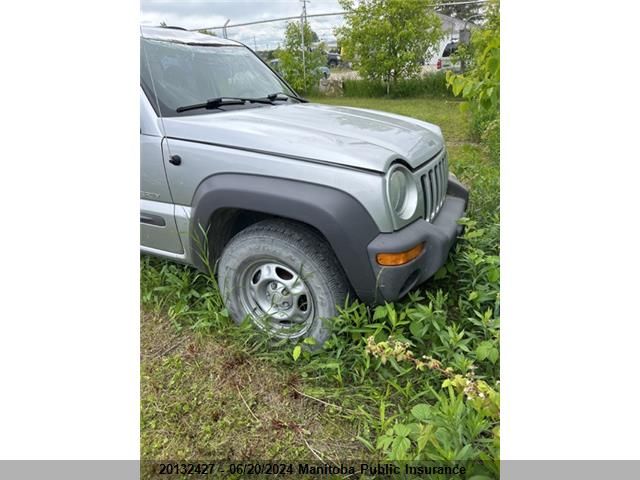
point(434, 185)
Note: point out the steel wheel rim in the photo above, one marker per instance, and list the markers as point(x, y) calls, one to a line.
point(277, 298)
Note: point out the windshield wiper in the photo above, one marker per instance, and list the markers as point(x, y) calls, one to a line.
point(276, 96)
point(214, 103)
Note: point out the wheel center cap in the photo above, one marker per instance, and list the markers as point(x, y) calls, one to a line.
point(280, 299)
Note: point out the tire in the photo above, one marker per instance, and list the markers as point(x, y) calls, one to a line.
point(285, 278)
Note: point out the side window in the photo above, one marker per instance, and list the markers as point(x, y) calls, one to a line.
point(450, 49)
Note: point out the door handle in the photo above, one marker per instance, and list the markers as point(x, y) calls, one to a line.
point(175, 160)
point(149, 219)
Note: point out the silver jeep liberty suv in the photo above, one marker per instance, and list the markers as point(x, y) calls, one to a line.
point(295, 205)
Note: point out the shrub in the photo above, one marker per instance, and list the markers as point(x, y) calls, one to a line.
point(303, 77)
point(388, 39)
point(434, 84)
point(480, 85)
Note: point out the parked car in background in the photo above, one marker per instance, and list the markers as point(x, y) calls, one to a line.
point(275, 64)
point(333, 59)
point(445, 62)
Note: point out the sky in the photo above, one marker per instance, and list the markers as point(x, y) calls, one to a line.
point(210, 13)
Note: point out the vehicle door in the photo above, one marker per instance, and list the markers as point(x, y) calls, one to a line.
point(158, 230)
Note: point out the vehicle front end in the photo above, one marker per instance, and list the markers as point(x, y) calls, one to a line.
point(425, 204)
point(293, 204)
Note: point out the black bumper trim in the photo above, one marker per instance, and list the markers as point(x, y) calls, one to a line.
point(439, 237)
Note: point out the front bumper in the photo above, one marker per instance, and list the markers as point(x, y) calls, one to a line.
point(438, 237)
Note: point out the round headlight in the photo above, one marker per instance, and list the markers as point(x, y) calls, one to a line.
point(402, 192)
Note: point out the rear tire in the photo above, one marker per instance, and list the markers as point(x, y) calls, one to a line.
point(284, 277)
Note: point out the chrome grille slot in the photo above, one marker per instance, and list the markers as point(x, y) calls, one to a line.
point(435, 177)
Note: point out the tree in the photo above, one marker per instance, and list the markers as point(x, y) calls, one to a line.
point(480, 85)
point(301, 76)
point(389, 39)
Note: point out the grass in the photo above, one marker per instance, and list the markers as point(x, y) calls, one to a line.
point(205, 397)
point(443, 112)
point(417, 379)
point(433, 84)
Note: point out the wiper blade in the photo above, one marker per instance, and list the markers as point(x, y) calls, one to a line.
point(214, 103)
point(277, 96)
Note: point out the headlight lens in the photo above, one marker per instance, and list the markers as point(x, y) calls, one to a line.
point(397, 190)
point(402, 192)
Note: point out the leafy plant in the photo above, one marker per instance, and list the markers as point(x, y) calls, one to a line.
point(447, 430)
point(480, 85)
point(190, 298)
point(388, 39)
point(302, 76)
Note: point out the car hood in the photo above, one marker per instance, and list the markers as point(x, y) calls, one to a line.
point(351, 137)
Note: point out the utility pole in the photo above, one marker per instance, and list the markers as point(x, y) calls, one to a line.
point(224, 28)
point(303, 22)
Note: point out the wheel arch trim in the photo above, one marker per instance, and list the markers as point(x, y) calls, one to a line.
point(341, 219)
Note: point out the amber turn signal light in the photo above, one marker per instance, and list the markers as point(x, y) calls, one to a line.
point(395, 259)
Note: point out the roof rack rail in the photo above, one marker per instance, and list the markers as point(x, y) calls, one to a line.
point(173, 27)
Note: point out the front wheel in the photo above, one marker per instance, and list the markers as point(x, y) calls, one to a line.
point(284, 277)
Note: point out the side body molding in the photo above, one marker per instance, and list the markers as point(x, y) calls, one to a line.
point(342, 220)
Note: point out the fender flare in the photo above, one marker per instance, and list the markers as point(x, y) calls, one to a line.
point(342, 219)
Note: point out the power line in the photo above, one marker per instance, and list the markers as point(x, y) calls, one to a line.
point(297, 17)
point(226, 25)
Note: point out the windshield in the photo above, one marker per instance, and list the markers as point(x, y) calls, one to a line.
point(188, 74)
